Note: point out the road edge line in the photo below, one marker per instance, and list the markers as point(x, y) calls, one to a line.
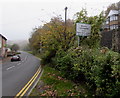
point(35, 83)
point(24, 92)
point(25, 86)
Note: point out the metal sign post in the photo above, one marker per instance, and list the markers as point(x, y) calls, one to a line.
point(78, 41)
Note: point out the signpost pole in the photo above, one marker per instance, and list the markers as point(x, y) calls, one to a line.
point(78, 41)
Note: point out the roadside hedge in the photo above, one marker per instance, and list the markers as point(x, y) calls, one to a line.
point(99, 69)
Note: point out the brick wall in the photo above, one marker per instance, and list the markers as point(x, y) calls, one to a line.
point(2, 47)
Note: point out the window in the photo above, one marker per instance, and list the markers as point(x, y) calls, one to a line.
point(113, 17)
point(107, 22)
point(116, 17)
point(116, 26)
point(113, 27)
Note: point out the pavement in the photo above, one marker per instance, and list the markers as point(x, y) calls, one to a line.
point(15, 75)
point(4, 59)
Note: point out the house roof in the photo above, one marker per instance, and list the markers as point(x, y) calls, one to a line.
point(3, 37)
point(112, 12)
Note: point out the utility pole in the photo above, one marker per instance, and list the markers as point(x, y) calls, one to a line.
point(65, 22)
point(65, 26)
point(119, 16)
point(65, 15)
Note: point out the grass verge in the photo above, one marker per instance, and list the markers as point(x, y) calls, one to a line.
point(53, 84)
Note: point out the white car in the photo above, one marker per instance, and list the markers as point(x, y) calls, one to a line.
point(15, 58)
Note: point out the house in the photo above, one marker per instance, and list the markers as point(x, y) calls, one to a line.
point(3, 51)
point(112, 20)
point(111, 31)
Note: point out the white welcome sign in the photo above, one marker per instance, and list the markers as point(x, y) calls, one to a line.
point(83, 29)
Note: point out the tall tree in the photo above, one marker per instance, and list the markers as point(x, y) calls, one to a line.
point(51, 35)
point(15, 47)
point(95, 22)
point(114, 6)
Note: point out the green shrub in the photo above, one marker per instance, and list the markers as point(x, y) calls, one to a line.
point(63, 62)
point(99, 69)
point(47, 56)
point(102, 74)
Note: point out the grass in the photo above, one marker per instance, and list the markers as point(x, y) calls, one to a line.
point(36, 54)
point(53, 84)
point(30, 52)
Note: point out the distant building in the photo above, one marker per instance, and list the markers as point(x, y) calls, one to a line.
point(3, 50)
point(112, 20)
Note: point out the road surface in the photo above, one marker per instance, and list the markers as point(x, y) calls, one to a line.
point(15, 75)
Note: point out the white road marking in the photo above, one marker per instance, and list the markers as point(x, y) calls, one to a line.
point(10, 67)
point(25, 58)
point(18, 63)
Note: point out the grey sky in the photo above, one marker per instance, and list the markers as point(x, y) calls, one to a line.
point(19, 17)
